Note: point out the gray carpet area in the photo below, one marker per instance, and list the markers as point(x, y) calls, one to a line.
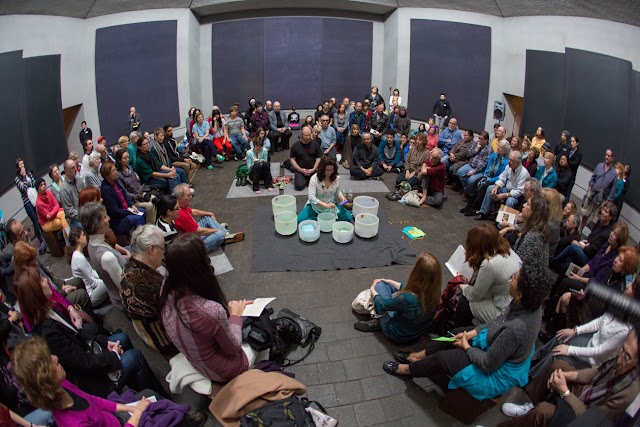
point(247, 191)
point(273, 252)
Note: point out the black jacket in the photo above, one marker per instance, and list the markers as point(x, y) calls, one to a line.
point(574, 162)
point(598, 237)
point(379, 123)
point(564, 179)
point(84, 368)
point(442, 108)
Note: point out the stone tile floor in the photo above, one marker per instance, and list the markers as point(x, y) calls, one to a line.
point(344, 372)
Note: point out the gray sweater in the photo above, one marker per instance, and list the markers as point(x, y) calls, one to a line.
point(511, 338)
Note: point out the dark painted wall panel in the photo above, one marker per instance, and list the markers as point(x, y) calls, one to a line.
point(237, 62)
point(346, 58)
point(631, 150)
point(11, 116)
point(136, 66)
point(544, 94)
point(293, 61)
point(47, 140)
point(597, 102)
point(459, 66)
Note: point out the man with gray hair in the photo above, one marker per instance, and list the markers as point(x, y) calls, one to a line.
point(70, 193)
point(327, 137)
point(434, 173)
point(508, 189)
point(213, 233)
point(92, 175)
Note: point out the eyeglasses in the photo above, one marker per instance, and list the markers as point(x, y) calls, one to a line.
point(324, 120)
point(174, 209)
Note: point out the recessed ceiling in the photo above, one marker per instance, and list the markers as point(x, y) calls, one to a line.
point(625, 11)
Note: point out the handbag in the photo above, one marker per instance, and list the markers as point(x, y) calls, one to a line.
point(293, 330)
point(411, 199)
point(363, 304)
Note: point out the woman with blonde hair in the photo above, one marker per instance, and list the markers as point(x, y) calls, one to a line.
point(46, 386)
point(546, 173)
point(556, 214)
point(407, 309)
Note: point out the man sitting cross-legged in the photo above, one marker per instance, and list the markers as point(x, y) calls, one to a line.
point(434, 173)
point(390, 154)
point(304, 158)
point(213, 234)
point(365, 160)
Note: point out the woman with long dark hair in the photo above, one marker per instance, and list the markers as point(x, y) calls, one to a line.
point(25, 181)
point(99, 372)
point(406, 308)
point(531, 245)
point(196, 315)
point(324, 193)
point(219, 133)
point(168, 209)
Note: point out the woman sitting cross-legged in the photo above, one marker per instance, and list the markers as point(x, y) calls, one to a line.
point(257, 158)
point(597, 270)
point(123, 215)
point(81, 268)
point(486, 295)
point(132, 186)
point(46, 386)
point(141, 284)
point(580, 252)
point(325, 194)
point(105, 365)
point(588, 345)
point(50, 214)
point(197, 317)
point(490, 359)
point(407, 309)
point(168, 209)
point(106, 260)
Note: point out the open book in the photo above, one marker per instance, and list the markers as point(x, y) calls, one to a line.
point(506, 217)
point(457, 265)
point(573, 268)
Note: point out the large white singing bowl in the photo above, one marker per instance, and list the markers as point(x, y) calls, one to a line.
point(365, 204)
point(284, 203)
point(367, 225)
point(342, 232)
point(326, 221)
point(286, 223)
point(309, 230)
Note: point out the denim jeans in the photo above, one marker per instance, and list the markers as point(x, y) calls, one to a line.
point(136, 372)
point(40, 417)
point(487, 203)
point(571, 253)
point(462, 174)
point(130, 222)
point(386, 291)
point(31, 212)
point(181, 176)
point(239, 143)
point(214, 240)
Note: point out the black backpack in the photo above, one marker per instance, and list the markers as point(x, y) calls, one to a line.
point(289, 412)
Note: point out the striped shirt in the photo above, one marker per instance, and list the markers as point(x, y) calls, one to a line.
point(24, 183)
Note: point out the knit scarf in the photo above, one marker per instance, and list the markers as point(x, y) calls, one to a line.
point(494, 166)
point(148, 158)
point(162, 153)
point(593, 395)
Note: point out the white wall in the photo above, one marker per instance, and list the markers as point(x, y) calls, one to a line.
point(74, 39)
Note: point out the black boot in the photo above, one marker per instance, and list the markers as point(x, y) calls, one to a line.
point(467, 207)
point(367, 326)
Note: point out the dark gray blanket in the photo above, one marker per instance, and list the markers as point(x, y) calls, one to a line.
point(273, 252)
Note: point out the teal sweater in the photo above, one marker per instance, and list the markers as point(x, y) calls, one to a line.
point(409, 320)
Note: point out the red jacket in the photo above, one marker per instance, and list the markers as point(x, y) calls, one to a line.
point(47, 207)
point(437, 174)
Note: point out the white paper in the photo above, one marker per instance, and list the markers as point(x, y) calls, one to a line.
point(134, 212)
point(506, 217)
point(150, 398)
point(573, 268)
point(254, 309)
point(457, 265)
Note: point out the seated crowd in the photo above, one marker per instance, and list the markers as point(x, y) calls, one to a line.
point(60, 364)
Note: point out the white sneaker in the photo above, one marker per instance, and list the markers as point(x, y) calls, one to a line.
point(513, 410)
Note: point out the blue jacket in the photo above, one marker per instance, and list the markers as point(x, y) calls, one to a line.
point(360, 121)
point(504, 164)
point(455, 136)
point(549, 181)
point(382, 158)
point(111, 201)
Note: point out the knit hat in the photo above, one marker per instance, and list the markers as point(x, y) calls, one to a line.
point(100, 138)
point(567, 134)
point(38, 182)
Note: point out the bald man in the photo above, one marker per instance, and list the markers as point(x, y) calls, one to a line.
point(280, 132)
